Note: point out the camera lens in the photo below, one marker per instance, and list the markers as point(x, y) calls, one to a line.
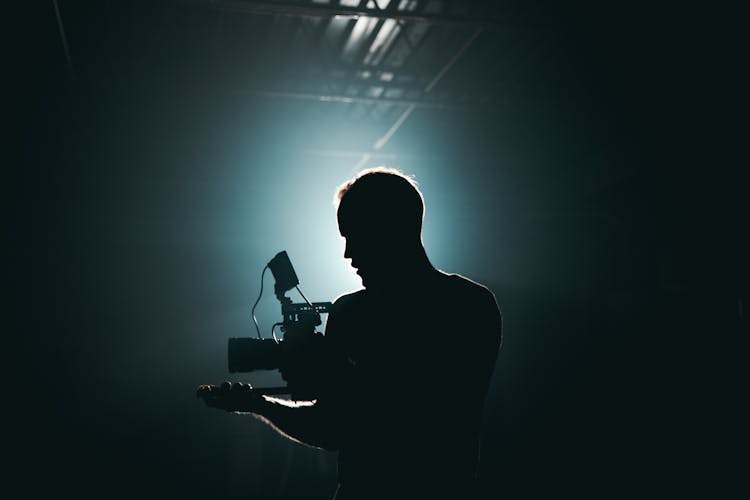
point(248, 354)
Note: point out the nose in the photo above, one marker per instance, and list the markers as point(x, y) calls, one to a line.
point(353, 252)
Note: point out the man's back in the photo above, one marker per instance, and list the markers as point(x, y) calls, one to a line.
point(423, 354)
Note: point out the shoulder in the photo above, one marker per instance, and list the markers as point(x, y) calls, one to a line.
point(348, 300)
point(480, 300)
point(345, 311)
point(348, 305)
point(469, 289)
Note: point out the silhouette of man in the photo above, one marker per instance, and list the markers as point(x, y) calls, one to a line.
point(411, 357)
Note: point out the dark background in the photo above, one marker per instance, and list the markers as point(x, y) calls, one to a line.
point(598, 194)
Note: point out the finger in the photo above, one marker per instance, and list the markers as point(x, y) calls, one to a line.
point(204, 389)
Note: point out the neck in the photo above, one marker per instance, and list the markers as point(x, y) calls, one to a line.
point(412, 266)
point(415, 261)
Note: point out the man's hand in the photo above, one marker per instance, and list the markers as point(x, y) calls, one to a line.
point(231, 397)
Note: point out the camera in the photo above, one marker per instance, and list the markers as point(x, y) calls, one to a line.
point(301, 345)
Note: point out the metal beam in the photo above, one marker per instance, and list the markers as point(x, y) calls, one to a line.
point(408, 111)
point(380, 142)
point(339, 153)
point(64, 39)
point(345, 99)
point(297, 8)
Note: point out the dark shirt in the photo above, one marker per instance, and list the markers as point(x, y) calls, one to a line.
point(420, 358)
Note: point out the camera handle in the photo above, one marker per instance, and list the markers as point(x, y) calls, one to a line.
point(269, 391)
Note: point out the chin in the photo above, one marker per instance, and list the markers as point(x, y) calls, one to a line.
point(364, 280)
point(372, 279)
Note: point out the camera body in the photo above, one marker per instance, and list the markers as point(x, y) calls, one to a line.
point(247, 354)
point(294, 354)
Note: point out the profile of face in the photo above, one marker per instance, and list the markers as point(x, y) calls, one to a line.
point(380, 216)
point(374, 255)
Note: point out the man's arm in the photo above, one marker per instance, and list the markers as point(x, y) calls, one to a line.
point(309, 423)
point(313, 423)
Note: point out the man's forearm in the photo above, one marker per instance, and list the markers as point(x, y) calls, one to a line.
point(308, 423)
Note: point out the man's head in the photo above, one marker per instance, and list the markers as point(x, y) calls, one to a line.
point(380, 215)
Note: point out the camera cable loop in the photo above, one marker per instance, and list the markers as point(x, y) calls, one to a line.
point(255, 320)
point(273, 334)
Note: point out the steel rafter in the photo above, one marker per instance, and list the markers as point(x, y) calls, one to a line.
point(297, 8)
point(345, 99)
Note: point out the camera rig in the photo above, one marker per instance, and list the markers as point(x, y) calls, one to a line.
point(300, 338)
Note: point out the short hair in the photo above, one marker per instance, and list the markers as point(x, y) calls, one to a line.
point(381, 198)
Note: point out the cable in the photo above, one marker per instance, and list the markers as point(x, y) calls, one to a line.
point(273, 334)
point(303, 296)
point(255, 320)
